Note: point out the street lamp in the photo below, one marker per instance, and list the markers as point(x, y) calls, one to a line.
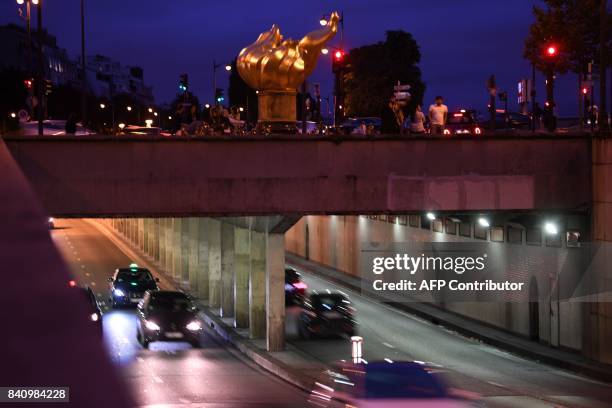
point(102, 106)
point(129, 108)
point(228, 68)
point(324, 51)
point(150, 110)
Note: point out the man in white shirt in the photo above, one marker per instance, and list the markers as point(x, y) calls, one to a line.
point(437, 116)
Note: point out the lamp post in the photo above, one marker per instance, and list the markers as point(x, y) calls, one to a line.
point(228, 68)
point(41, 70)
point(83, 73)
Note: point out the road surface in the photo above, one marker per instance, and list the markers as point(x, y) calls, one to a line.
point(500, 378)
point(170, 374)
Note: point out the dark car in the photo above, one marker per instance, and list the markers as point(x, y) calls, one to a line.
point(168, 316)
point(326, 314)
point(507, 121)
point(93, 308)
point(385, 383)
point(128, 285)
point(462, 122)
point(295, 289)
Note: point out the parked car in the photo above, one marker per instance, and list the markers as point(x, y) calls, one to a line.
point(128, 285)
point(327, 314)
point(295, 288)
point(168, 316)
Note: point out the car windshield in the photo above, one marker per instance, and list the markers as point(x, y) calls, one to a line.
point(171, 303)
point(460, 118)
point(135, 276)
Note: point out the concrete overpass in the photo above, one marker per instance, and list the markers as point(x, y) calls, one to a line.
point(159, 191)
point(116, 176)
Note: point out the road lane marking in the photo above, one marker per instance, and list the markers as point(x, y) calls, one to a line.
point(87, 273)
point(82, 266)
point(158, 379)
point(388, 345)
point(93, 283)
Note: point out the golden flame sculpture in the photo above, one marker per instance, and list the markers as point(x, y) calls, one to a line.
point(276, 67)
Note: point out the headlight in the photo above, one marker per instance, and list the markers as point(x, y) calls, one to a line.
point(194, 326)
point(118, 292)
point(94, 317)
point(151, 325)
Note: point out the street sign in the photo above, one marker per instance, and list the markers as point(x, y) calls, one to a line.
point(401, 92)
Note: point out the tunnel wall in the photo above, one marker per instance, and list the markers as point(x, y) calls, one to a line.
point(336, 241)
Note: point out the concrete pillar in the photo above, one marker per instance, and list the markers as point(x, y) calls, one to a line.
point(257, 286)
point(194, 237)
point(177, 241)
point(145, 235)
point(214, 263)
point(154, 239)
point(169, 245)
point(275, 290)
point(227, 270)
point(185, 253)
point(162, 241)
point(242, 253)
point(203, 263)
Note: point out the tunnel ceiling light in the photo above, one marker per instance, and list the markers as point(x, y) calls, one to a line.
point(430, 216)
point(483, 222)
point(551, 228)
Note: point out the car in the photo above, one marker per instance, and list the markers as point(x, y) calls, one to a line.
point(165, 315)
point(349, 125)
point(326, 314)
point(94, 313)
point(128, 285)
point(506, 121)
point(51, 223)
point(383, 384)
point(462, 122)
point(295, 288)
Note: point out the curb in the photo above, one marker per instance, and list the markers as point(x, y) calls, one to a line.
point(462, 325)
point(260, 357)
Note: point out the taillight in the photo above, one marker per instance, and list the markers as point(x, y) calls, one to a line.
point(300, 285)
point(72, 283)
point(447, 132)
point(477, 130)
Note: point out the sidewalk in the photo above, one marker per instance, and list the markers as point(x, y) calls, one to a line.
point(469, 327)
point(291, 365)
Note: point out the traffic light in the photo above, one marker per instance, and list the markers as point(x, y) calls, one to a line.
point(28, 83)
point(552, 51)
point(48, 87)
point(219, 96)
point(183, 82)
point(338, 61)
point(585, 91)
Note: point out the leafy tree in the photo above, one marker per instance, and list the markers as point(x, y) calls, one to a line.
point(371, 72)
point(572, 25)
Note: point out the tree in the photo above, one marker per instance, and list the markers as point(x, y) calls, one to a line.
point(573, 26)
point(241, 95)
point(371, 72)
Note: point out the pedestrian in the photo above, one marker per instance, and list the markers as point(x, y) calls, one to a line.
point(71, 124)
point(417, 120)
point(438, 113)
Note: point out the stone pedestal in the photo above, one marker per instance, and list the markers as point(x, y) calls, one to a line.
point(277, 111)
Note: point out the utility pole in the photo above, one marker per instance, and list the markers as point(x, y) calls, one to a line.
point(83, 72)
point(41, 70)
point(603, 41)
point(533, 97)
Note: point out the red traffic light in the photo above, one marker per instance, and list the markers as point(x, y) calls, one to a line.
point(28, 83)
point(585, 91)
point(552, 51)
point(339, 55)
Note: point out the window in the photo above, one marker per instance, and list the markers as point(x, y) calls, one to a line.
point(553, 240)
point(450, 226)
point(533, 236)
point(414, 221)
point(402, 220)
point(438, 226)
point(573, 239)
point(515, 235)
point(465, 229)
point(497, 234)
point(382, 217)
point(480, 232)
point(392, 219)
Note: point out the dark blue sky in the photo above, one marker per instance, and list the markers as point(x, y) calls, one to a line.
point(462, 42)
